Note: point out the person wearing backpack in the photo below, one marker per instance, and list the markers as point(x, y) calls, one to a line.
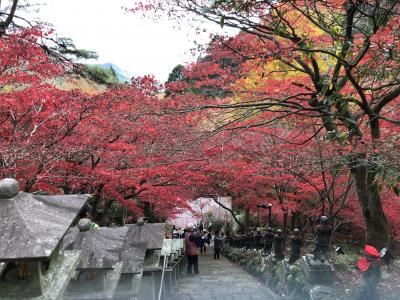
point(192, 252)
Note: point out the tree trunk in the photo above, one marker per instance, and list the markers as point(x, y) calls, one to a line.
point(367, 190)
point(230, 210)
point(293, 221)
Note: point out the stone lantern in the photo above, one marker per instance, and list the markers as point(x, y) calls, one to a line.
point(100, 268)
point(31, 228)
point(132, 256)
point(152, 234)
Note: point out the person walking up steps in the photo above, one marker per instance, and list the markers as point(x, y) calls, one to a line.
point(192, 252)
point(218, 244)
point(203, 242)
point(209, 237)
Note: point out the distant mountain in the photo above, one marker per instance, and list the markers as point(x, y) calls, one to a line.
point(121, 74)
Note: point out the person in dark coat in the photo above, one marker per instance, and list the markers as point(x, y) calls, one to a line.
point(218, 244)
point(209, 237)
point(203, 242)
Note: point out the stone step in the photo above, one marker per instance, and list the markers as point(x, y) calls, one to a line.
point(220, 279)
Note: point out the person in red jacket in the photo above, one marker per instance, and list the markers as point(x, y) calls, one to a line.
point(192, 251)
point(369, 265)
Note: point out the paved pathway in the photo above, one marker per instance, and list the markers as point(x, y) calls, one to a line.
point(222, 280)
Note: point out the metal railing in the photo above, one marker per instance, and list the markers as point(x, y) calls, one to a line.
point(162, 277)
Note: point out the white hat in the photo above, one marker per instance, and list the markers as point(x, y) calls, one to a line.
point(190, 225)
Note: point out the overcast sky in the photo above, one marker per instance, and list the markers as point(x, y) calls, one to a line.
point(138, 46)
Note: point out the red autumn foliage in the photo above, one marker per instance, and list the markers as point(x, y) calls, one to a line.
point(250, 120)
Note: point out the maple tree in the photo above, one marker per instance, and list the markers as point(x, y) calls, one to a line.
point(281, 113)
point(66, 140)
point(330, 64)
point(255, 167)
point(51, 139)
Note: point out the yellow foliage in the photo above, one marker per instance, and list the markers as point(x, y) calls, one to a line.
point(312, 36)
point(6, 89)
